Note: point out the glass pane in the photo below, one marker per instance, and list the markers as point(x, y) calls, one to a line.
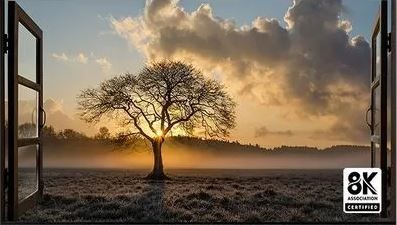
point(27, 112)
point(389, 111)
point(376, 156)
point(26, 54)
point(376, 112)
point(27, 173)
point(378, 53)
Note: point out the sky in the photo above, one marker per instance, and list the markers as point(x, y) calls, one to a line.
point(292, 85)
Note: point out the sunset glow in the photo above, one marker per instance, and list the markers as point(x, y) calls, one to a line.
point(159, 133)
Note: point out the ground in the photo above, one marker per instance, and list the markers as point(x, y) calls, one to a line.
point(192, 196)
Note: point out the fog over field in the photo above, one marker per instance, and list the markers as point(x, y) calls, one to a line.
point(205, 154)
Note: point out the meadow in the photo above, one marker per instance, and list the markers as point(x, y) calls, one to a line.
point(253, 196)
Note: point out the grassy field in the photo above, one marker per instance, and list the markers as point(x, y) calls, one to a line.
point(192, 196)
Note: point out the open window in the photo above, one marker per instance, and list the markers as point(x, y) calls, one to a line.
point(382, 107)
point(25, 111)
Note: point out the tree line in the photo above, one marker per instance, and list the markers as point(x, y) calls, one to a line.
point(105, 137)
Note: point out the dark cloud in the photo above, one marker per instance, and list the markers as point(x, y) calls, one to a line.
point(313, 65)
point(324, 57)
point(264, 132)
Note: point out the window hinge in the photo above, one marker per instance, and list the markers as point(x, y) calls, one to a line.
point(389, 47)
point(5, 43)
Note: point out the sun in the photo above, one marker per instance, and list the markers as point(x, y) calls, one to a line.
point(159, 133)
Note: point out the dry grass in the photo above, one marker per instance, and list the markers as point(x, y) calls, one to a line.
point(192, 196)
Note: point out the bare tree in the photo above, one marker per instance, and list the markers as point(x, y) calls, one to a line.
point(164, 97)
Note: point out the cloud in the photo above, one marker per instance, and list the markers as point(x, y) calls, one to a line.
point(51, 105)
point(104, 64)
point(79, 58)
point(312, 66)
point(55, 116)
point(83, 58)
point(264, 132)
point(61, 57)
point(60, 120)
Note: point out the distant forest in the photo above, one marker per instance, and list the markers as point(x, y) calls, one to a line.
point(122, 140)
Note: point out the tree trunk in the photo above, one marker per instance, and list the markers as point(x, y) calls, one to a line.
point(158, 171)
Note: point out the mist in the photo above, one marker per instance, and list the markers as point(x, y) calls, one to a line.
point(185, 156)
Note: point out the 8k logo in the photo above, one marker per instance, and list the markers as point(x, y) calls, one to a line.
point(362, 190)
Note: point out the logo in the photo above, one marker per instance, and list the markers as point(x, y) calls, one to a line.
point(362, 190)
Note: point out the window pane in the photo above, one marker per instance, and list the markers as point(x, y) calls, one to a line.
point(389, 111)
point(27, 112)
point(377, 111)
point(27, 174)
point(26, 54)
point(378, 53)
point(377, 156)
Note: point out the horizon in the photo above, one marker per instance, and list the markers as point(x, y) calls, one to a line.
point(94, 136)
point(194, 153)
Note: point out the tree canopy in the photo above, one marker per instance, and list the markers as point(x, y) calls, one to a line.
point(163, 97)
